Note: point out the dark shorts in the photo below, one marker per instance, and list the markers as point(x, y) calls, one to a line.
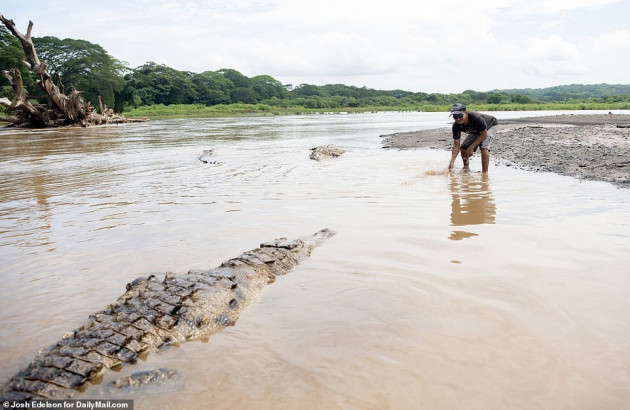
point(470, 138)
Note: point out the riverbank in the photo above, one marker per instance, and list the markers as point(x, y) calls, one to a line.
point(583, 146)
point(262, 109)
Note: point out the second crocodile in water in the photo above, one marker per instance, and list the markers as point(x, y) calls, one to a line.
point(153, 313)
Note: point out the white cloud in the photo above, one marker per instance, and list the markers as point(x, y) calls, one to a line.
point(550, 25)
point(609, 54)
point(546, 7)
point(612, 41)
point(552, 48)
point(552, 56)
point(420, 45)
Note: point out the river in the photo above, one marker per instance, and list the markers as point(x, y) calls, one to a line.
point(439, 291)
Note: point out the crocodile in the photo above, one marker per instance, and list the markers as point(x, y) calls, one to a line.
point(325, 152)
point(142, 378)
point(153, 314)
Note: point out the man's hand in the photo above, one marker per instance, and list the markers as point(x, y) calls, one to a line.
point(470, 151)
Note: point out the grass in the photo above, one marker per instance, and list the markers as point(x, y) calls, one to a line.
point(222, 110)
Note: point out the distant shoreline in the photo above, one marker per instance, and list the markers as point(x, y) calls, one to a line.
point(584, 146)
point(160, 111)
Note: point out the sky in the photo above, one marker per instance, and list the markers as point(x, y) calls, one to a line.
point(427, 46)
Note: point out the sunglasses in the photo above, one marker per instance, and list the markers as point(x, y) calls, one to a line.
point(458, 116)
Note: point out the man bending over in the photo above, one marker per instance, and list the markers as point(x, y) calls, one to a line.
point(479, 130)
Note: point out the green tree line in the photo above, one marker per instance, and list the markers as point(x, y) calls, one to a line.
point(91, 69)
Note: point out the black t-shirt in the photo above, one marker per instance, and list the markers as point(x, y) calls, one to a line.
point(477, 123)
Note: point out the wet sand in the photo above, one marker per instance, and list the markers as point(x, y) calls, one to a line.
point(583, 146)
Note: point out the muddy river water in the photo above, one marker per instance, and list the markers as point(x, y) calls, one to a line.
point(439, 291)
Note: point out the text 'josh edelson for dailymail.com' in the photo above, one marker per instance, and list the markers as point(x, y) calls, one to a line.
point(69, 404)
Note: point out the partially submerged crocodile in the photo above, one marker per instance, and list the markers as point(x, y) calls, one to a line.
point(145, 377)
point(152, 314)
point(325, 152)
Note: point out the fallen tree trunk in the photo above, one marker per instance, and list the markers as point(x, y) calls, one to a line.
point(61, 110)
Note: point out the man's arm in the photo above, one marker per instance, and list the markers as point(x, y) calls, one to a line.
point(454, 153)
point(480, 138)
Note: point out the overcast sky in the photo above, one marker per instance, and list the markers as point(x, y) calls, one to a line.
point(419, 45)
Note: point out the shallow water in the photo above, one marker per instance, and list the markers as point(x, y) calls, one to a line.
point(439, 291)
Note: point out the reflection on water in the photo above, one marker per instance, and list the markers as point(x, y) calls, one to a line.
point(472, 202)
point(390, 302)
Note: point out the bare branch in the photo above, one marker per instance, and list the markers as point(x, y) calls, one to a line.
point(27, 43)
point(12, 120)
point(61, 109)
point(7, 75)
point(17, 84)
point(60, 84)
point(29, 29)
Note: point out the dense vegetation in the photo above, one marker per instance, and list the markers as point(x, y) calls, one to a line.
point(155, 89)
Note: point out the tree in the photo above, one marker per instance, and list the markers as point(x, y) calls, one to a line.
point(267, 87)
point(521, 99)
point(60, 109)
point(183, 91)
point(156, 83)
point(238, 79)
point(212, 88)
point(244, 95)
point(129, 94)
point(439, 99)
point(83, 66)
point(11, 56)
point(307, 90)
point(243, 91)
point(496, 98)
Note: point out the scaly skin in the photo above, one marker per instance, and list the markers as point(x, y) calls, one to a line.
point(152, 314)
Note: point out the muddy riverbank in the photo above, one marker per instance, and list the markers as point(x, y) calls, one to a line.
point(591, 147)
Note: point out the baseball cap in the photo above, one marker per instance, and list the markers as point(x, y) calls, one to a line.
point(458, 108)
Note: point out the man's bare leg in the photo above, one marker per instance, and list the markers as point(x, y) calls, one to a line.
point(465, 160)
point(485, 160)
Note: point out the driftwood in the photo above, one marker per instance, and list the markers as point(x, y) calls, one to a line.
point(61, 109)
